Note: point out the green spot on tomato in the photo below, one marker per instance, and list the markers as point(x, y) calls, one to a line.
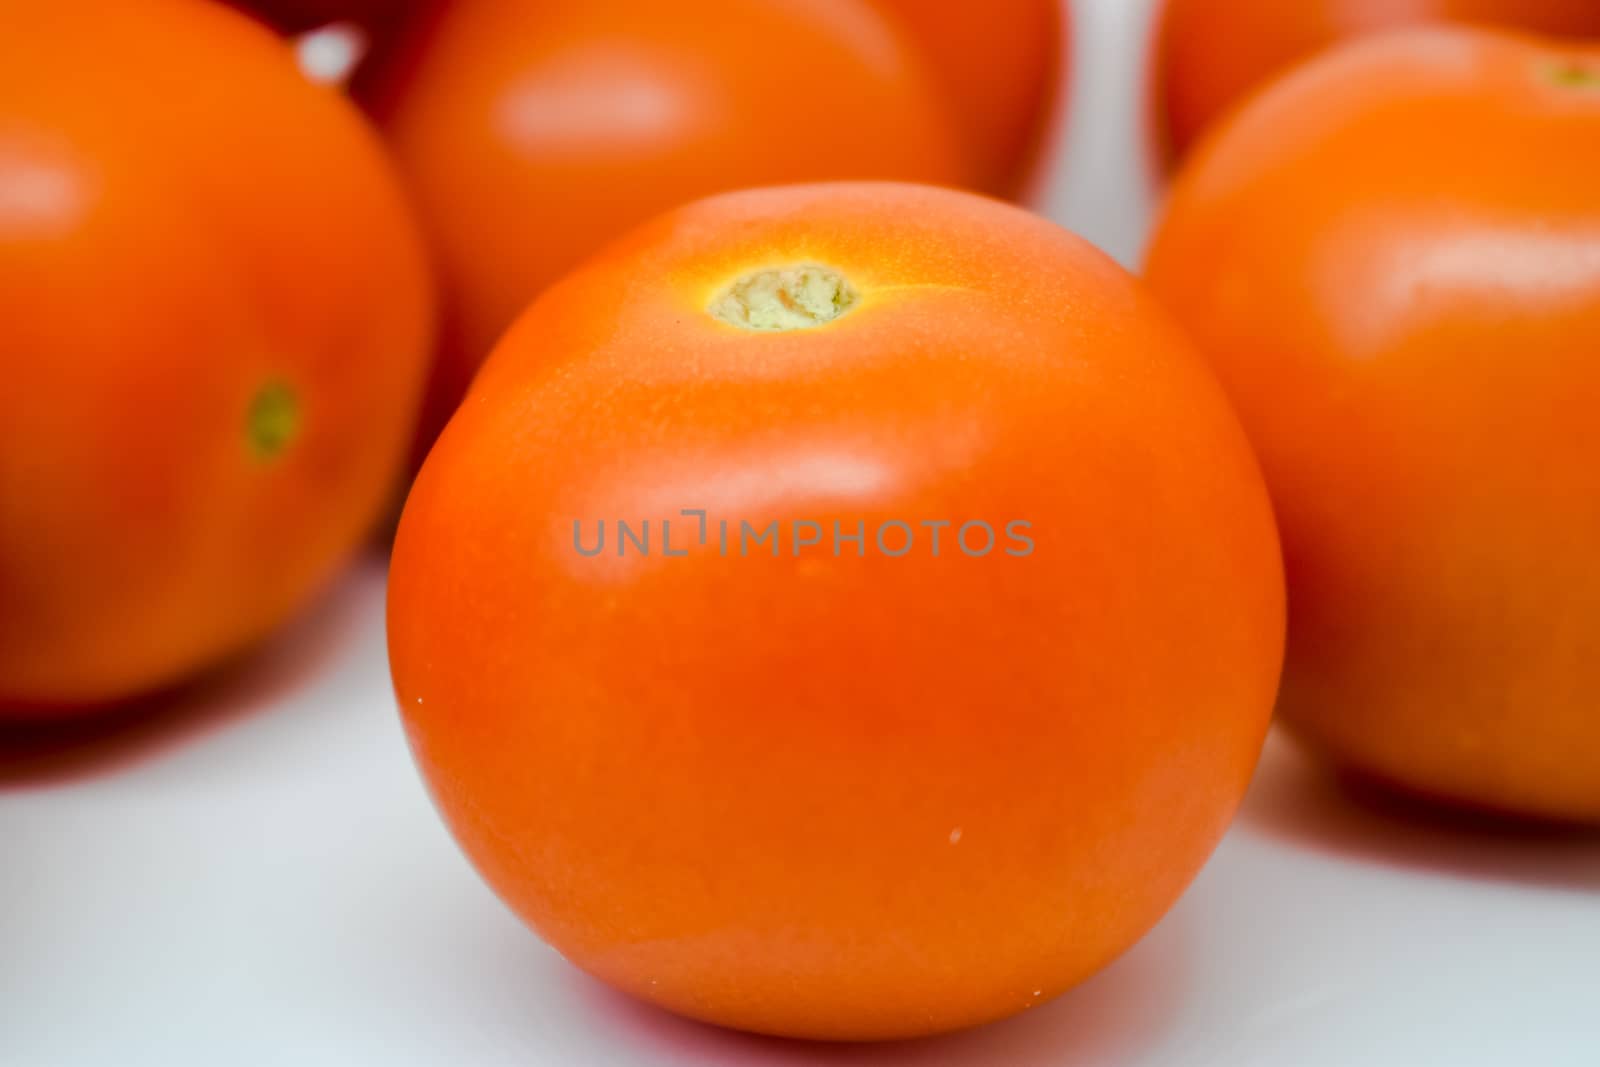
point(273, 422)
point(1574, 74)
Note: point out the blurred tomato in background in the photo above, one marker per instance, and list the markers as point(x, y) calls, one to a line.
point(1211, 54)
point(532, 131)
point(217, 315)
point(999, 63)
point(1391, 258)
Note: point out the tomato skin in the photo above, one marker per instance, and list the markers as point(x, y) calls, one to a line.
point(1390, 259)
point(217, 313)
point(754, 790)
point(1212, 54)
point(1000, 64)
point(533, 131)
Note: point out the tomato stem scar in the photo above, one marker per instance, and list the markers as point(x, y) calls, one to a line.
point(1574, 73)
point(273, 421)
point(787, 298)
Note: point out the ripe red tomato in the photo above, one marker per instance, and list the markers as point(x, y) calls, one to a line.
point(1393, 259)
point(1213, 53)
point(216, 316)
point(755, 785)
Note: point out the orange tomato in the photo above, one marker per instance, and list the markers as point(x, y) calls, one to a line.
point(534, 130)
point(1000, 62)
point(1391, 258)
point(1213, 53)
point(810, 785)
point(216, 319)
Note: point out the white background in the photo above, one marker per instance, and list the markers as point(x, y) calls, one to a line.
point(255, 876)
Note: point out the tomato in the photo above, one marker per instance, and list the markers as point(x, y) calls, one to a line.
point(1213, 53)
point(797, 783)
point(534, 130)
point(216, 324)
point(1000, 63)
point(1391, 259)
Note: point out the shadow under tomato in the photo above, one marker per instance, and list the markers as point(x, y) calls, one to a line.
point(1301, 801)
point(47, 753)
point(1112, 1018)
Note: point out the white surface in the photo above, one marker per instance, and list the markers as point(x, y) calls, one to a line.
point(255, 876)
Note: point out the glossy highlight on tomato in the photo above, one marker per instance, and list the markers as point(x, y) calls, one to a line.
point(799, 788)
